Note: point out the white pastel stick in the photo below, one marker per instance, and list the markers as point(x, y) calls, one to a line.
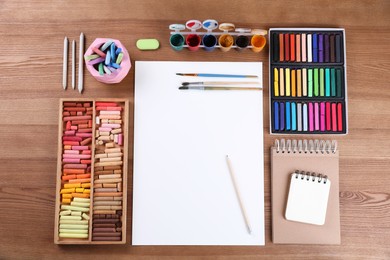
point(73, 64)
point(65, 64)
point(81, 62)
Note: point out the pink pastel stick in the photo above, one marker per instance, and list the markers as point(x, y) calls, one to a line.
point(73, 127)
point(71, 152)
point(316, 117)
point(80, 147)
point(322, 116)
point(311, 121)
point(84, 134)
point(111, 125)
point(120, 139)
point(70, 143)
point(105, 129)
point(109, 108)
point(106, 104)
point(86, 152)
point(69, 118)
point(75, 166)
point(104, 112)
point(72, 132)
point(72, 138)
point(71, 160)
point(77, 156)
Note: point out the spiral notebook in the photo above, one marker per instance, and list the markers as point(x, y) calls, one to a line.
point(297, 222)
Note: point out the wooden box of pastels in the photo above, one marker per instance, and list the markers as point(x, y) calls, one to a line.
point(308, 86)
point(92, 172)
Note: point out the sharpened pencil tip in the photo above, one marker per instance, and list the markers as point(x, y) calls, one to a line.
point(179, 74)
point(183, 87)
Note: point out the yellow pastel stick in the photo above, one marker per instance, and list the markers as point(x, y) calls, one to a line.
point(72, 185)
point(74, 208)
point(67, 196)
point(80, 204)
point(299, 83)
point(69, 221)
point(293, 83)
point(67, 190)
point(276, 82)
point(65, 212)
point(87, 191)
point(281, 81)
point(80, 189)
point(86, 185)
point(82, 200)
point(67, 201)
point(73, 226)
point(73, 235)
point(287, 81)
point(77, 231)
point(70, 217)
point(85, 216)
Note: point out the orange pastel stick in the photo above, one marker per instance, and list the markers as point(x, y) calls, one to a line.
point(86, 161)
point(83, 176)
point(73, 171)
point(80, 180)
point(69, 177)
point(80, 195)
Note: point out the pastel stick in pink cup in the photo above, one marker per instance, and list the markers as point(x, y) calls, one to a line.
point(107, 60)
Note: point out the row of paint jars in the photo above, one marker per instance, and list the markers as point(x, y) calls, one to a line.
point(229, 38)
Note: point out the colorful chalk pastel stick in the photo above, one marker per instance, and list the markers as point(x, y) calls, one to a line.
point(314, 117)
point(74, 212)
point(307, 46)
point(307, 81)
point(108, 172)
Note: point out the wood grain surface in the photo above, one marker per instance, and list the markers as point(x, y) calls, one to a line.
point(31, 41)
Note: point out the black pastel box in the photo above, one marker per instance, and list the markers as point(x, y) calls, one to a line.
point(308, 84)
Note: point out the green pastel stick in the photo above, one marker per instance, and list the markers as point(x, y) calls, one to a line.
point(310, 82)
point(333, 82)
point(322, 81)
point(82, 199)
point(339, 82)
point(91, 57)
point(101, 70)
point(316, 82)
point(327, 82)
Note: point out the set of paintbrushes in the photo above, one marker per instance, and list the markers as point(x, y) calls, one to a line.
point(219, 85)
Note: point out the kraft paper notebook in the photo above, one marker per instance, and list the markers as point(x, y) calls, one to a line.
point(183, 192)
point(316, 159)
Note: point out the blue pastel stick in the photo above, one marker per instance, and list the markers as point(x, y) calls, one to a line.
point(327, 82)
point(276, 116)
point(293, 116)
point(108, 58)
point(119, 50)
point(315, 48)
point(288, 115)
point(281, 116)
point(114, 65)
point(304, 116)
point(112, 49)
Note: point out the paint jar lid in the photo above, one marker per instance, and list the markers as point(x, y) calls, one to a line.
point(193, 25)
point(177, 27)
point(259, 32)
point(210, 24)
point(227, 27)
point(243, 30)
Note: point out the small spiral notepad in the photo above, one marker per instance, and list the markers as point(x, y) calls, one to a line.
point(308, 197)
point(305, 205)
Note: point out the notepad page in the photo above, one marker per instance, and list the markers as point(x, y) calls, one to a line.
point(307, 199)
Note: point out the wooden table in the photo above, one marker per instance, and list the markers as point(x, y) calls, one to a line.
point(31, 84)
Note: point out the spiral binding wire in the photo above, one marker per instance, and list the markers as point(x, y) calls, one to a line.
point(311, 176)
point(305, 146)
